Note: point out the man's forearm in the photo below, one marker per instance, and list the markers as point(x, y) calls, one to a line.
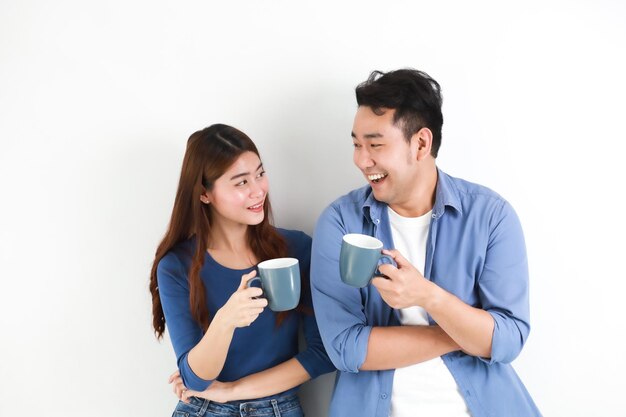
point(470, 327)
point(400, 346)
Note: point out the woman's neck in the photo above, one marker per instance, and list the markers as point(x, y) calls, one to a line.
point(228, 245)
point(228, 236)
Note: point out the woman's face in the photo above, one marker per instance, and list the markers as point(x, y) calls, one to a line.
point(238, 195)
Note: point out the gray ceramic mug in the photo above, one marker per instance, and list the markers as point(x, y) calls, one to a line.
point(280, 280)
point(359, 259)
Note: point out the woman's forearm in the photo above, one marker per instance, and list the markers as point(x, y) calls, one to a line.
point(207, 358)
point(271, 381)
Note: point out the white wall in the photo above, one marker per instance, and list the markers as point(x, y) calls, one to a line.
point(97, 100)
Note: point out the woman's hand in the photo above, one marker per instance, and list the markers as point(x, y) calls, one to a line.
point(220, 392)
point(242, 308)
point(178, 387)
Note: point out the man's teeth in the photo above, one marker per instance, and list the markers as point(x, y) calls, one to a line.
point(376, 177)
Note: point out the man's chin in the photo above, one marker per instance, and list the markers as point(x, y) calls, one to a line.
point(380, 196)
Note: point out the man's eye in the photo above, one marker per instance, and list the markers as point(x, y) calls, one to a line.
point(356, 145)
point(261, 174)
point(376, 145)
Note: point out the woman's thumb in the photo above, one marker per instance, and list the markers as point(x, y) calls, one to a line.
point(245, 278)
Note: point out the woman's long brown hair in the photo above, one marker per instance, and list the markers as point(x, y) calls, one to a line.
point(210, 152)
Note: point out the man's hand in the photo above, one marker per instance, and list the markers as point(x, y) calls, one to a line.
point(404, 286)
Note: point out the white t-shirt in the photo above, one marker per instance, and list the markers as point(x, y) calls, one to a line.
point(427, 388)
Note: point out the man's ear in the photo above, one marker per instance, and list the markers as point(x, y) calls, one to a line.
point(423, 141)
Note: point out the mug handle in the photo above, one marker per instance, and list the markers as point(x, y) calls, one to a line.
point(250, 282)
point(377, 273)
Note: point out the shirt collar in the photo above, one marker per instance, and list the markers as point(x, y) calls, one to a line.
point(446, 195)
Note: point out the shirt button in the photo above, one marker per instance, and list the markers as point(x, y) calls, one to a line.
point(383, 396)
point(434, 215)
point(376, 221)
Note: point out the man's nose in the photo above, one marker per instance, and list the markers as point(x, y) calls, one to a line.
point(363, 159)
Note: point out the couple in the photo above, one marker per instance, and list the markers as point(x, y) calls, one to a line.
point(435, 337)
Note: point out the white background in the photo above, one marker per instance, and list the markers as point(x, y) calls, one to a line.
point(97, 100)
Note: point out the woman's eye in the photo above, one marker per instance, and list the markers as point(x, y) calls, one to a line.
point(356, 145)
point(261, 174)
point(244, 182)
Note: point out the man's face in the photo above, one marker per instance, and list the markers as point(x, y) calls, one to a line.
point(384, 156)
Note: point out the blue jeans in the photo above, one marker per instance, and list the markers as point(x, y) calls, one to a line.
point(277, 407)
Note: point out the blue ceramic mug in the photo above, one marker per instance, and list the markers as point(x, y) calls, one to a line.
point(280, 280)
point(359, 259)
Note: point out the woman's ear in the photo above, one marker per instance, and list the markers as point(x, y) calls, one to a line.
point(204, 198)
point(423, 141)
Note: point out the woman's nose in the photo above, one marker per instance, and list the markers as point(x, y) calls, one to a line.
point(256, 190)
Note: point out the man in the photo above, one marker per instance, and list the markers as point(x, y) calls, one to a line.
point(436, 335)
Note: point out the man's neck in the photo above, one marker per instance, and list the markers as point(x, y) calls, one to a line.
point(421, 199)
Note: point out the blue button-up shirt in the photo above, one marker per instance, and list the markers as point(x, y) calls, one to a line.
point(475, 250)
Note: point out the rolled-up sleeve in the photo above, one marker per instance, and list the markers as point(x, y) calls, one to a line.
point(338, 307)
point(183, 329)
point(314, 358)
point(503, 285)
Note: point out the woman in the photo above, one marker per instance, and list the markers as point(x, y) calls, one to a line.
point(234, 355)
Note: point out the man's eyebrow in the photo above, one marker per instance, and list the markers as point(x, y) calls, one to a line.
point(369, 135)
point(243, 174)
